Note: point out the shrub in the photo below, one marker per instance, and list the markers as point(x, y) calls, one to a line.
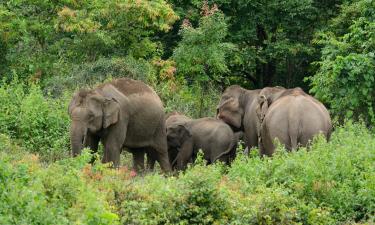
point(338, 175)
point(38, 122)
point(57, 194)
point(194, 100)
point(11, 96)
point(346, 77)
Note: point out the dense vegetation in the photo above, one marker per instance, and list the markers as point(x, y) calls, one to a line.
point(188, 51)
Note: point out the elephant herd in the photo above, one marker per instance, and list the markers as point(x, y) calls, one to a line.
point(127, 113)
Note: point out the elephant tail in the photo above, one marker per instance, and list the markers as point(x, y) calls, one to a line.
point(232, 146)
point(293, 130)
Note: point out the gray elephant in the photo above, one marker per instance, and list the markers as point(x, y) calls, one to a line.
point(291, 116)
point(215, 138)
point(237, 108)
point(174, 118)
point(121, 113)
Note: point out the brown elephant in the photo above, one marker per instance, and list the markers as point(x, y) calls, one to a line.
point(291, 116)
point(187, 136)
point(237, 108)
point(120, 113)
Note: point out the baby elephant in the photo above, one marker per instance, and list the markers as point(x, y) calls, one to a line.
point(187, 136)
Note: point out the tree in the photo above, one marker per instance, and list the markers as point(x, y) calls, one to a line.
point(201, 55)
point(273, 37)
point(346, 76)
point(46, 38)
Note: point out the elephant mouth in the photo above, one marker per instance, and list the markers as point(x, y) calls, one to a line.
point(235, 126)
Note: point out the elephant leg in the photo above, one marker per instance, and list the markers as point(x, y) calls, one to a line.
point(113, 143)
point(151, 159)
point(162, 158)
point(92, 142)
point(160, 148)
point(138, 160)
point(266, 146)
point(150, 163)
point(185, 154)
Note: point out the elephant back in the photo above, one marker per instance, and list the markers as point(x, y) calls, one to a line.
point(129, 86)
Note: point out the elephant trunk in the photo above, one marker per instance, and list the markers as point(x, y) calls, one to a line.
point(77, 136)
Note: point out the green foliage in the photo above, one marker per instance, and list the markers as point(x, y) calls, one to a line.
point(273, 38)
point(346, 77)
point(193, 100)
point(201, 55)
point(57, 194)
point(333, 183)
point(41, 124)
point(338, 175)
point(40, 39)
point(91, 73)
point(50, 48)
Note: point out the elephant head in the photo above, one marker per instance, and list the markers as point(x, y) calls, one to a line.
point(230, 109)
point(179, 138)
point(90, 111)
point(177, 134)
point(266, 97)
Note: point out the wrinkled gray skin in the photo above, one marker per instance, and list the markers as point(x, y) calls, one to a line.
point(291, 116)
point(237, 108)
point(121, 113)
point(215, 138)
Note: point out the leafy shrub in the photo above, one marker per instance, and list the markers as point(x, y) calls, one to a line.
point(193, 100)
point(11, 96)
point(346, 76)
point(338, 175)
point(57, 194)
point(40, 123)
point(193, 198)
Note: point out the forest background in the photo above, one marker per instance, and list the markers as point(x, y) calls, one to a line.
point(188, 51)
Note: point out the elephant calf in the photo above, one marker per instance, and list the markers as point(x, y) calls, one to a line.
point(186, 136)
point(291, 116)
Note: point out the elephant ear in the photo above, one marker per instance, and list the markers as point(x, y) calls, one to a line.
point(262, 107)
point(71, 105)
point(183, 133)
point(111, 111)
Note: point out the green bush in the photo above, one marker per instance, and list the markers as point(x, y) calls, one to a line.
point(345, 78)
point(57, 194)
point(194, 100)
point(39, 123)
point(338, 175)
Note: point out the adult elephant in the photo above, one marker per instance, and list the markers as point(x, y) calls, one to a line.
point(121, 113)
point(237, 108)
point(215, 138)
point(291, 116)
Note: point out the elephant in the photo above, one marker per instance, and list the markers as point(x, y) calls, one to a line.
point(122, 113)
point(291, 116)
point(214, 137)
point(174, 118)
point(237, 108)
